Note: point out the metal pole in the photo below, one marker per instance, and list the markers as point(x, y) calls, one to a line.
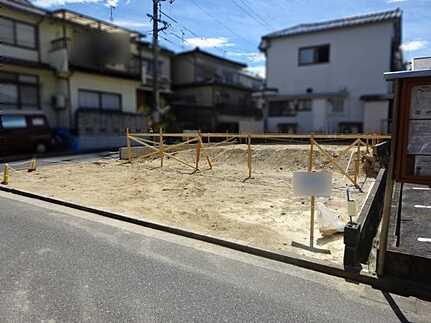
point(155, 48)
point(312, 199)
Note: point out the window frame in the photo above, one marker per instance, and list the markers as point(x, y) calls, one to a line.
point(18, 83)
point(15, 34)
point(314, 48)
point(100, 94)
point(332, 101)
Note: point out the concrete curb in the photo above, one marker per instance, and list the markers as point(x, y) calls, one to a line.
point(388, 284)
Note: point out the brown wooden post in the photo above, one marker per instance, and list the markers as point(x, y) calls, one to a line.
point(5, 174)
point(357, 162)
point(161, 148)
point(205, 152)
point(249, 155)
point(198, 153)
point(129, 148)
point(312, 199)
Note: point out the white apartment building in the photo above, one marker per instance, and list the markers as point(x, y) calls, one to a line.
point(329, 75)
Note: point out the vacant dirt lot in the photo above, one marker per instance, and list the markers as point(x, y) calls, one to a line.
point(261, 211)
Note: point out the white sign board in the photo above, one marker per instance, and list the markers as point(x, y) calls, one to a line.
point(312, 183)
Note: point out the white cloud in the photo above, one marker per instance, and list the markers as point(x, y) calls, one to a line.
point(253, 57)
point(395, 1)
point(209, 42)
point(258, 70)
point(413, 45)
point(50, 3)
point(112, 3)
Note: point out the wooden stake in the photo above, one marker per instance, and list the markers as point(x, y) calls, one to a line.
point(33, 166)
point(5, 174)
point(249, 155)
point(357, 162)
point(198, 154)
point(311, 247)
point(129, 148)
point(162, 154)
point(204, 150)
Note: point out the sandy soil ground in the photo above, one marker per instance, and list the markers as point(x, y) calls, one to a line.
point(261, 211)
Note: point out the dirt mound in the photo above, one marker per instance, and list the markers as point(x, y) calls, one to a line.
point(292, 157)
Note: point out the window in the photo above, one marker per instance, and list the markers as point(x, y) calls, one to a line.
point(336, 105)
point(149, 67)
point(303, 105)
point(313, 55)
point(135, 65)
point(281, 109)
point(111, 101)
point(17, 33)
point(7, 31)
point(99, 100)
point(19, 91)
point(89, 100)
point(13, 122)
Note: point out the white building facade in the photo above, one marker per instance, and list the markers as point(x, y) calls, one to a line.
point(329, 75)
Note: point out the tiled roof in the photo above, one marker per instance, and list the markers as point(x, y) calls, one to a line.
point(338, 23)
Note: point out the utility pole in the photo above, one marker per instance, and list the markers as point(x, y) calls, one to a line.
point(156, 17)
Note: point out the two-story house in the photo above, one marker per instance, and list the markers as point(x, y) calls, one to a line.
point(91, 78)
point(213, 93)
point(329, 74)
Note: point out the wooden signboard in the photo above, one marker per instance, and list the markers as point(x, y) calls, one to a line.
point(413, 162)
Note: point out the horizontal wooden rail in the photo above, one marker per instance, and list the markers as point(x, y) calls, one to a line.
point(266, 135)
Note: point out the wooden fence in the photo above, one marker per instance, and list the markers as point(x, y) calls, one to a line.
point(156, 143)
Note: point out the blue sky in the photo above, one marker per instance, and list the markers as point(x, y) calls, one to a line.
point(232, 28)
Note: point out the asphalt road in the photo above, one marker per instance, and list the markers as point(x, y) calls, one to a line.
point(62, 265)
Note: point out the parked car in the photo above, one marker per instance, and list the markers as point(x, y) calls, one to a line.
point(24, 132)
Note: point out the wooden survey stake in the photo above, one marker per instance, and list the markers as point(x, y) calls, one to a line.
point(311, 247)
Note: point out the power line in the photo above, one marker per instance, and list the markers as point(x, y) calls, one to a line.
point(251, 15)
point(221, 22)
point(183, 28)
point(245, 2)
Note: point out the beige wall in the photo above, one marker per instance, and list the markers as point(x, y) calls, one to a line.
point(85, 81)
